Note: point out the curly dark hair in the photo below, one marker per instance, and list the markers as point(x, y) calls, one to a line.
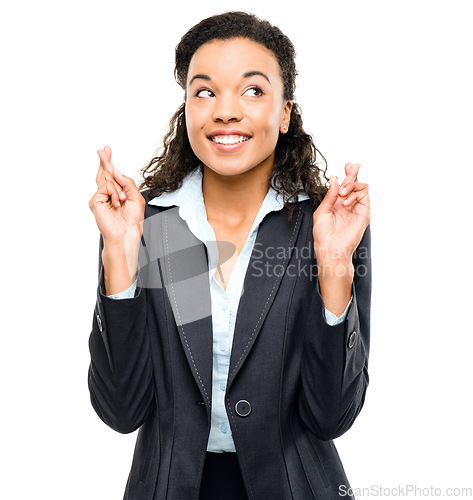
point(295, 167)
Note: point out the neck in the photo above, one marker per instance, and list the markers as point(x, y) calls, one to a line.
point(234, 199)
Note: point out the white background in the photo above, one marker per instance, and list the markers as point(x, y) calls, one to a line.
point(387, 84)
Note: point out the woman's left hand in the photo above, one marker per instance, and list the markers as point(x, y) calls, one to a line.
point(341, 219)
point(339, 224)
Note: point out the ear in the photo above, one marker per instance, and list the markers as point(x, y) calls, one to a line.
point(285, 117)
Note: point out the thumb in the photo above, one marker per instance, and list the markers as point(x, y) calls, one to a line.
point(330, 197)
point(126, 183)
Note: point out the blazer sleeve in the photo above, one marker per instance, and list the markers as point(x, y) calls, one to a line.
point(120, 372)
point(334, 366)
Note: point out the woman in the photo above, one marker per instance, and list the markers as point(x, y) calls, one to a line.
point(232, 315)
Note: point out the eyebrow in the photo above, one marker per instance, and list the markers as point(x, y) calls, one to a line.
point(248, 74)
point(201, 76)
point(255, 73)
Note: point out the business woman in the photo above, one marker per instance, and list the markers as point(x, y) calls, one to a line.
point(232, 317)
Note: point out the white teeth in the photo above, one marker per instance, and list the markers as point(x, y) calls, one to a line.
point(229, 139)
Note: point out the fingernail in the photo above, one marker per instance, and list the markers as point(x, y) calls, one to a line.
point(343, 191)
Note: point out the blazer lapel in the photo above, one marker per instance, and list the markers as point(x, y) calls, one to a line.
point(186, 279)
point(259, 289)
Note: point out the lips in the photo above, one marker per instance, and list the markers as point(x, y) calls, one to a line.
point(229, 141)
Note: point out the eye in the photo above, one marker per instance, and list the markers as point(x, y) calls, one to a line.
point(204, 93)
point(253, 92)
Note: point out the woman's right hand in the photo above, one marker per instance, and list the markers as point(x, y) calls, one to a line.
point(117, 205)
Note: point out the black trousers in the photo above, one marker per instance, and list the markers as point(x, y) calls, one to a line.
point(222, 479)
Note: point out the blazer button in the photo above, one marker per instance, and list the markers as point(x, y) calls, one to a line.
point(243, 408)
point(352, 339)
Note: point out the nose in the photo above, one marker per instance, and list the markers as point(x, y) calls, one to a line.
point(227, 108)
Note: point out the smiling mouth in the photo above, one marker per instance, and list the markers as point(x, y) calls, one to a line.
point(229, 140)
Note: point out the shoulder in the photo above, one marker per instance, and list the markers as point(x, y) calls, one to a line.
point(149, 208)
point(146, 193)
point(307, 206)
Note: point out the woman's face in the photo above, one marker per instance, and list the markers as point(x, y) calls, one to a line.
point(235, 107)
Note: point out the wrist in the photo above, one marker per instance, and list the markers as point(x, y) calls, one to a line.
point(335, 277)
point(131, 237)
point(335, 270)
point(120, 262)
point(335, 285)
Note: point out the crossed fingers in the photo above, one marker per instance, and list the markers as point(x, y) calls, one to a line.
point(106, 178)
point(351, 191)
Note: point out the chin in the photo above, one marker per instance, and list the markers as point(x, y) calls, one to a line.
point(228, 170)
point(230, 167)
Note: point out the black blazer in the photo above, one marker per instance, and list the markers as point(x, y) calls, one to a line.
point(295, 383)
